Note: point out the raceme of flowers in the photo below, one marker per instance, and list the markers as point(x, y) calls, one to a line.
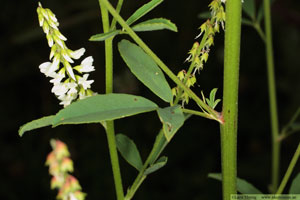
point(60, 165)
point(69, 83)
point(199, 53)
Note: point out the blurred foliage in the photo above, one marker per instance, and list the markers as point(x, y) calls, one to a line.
point(194, 152)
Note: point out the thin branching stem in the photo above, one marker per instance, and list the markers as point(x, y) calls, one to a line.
point(272, 97)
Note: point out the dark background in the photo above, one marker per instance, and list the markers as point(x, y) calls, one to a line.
point(193, 153)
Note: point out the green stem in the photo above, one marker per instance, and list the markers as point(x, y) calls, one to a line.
point(110, 131)
point(136, 38)
point(159, 145)
point(272, 97)
point(260, 32)
point(194, 112)
point(230, 97)
point(118, 9)
point(289, 171)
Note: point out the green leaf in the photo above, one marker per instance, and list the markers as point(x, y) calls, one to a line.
point(172, 119)
point(212, 94)
point(129, 151)
point(249, 8)
point(155, 24)
point(295, 189)
point(103, 107)
point(145, 69)
point(160, 144)
point(35, 124)
point(143, 11)
point(104, 36)
point(242, 186)
point(156, 166)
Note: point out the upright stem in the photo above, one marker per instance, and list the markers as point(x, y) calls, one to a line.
point(289, 170)
point(230, 97)
point(272, 98)
point(110, 131)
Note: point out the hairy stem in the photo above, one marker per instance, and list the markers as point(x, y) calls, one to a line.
point(110, 130)
point(272, 98)
point(230, 97)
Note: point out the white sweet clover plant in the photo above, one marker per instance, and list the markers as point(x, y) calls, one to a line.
point(69, 83)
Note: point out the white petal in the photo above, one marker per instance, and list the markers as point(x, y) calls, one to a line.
point(67, 57)
point(84, 82)
point(58, 41)
point(53, 51)
point(44, 67)
point(59, 35)
point(88, 61)
point(87, 65)
point(77, 54)
point(66, 100)
point(59, 89)
point(57, 79)
point(70, 71)
point(50, 40)
point(54, 66)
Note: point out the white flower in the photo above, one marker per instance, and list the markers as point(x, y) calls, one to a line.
point(59, 35)
point(69, 70)
point(84, 82)
point(51, 15)
point(44, 67)
point(53, 67)
point(66, 100)
point(86, 65)
point(46, 27)
point(60, 89)
point(58, 41)
point(72, 88)
point(50, 40)
point(76, 54)
point(66, 56)
point(57, 79)
point(53, 51)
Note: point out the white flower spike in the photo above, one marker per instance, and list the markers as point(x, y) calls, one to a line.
point(73, 87)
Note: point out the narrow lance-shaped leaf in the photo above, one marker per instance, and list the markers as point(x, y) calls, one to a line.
point(129, 151)
point(143, 11)
point(145, 69)
point(157, 165)
point(155, 24)
point(103, 107)
point(35, 124)
point(295, 189)
point(242, 186)
point(104, 36)
point(172, 119)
